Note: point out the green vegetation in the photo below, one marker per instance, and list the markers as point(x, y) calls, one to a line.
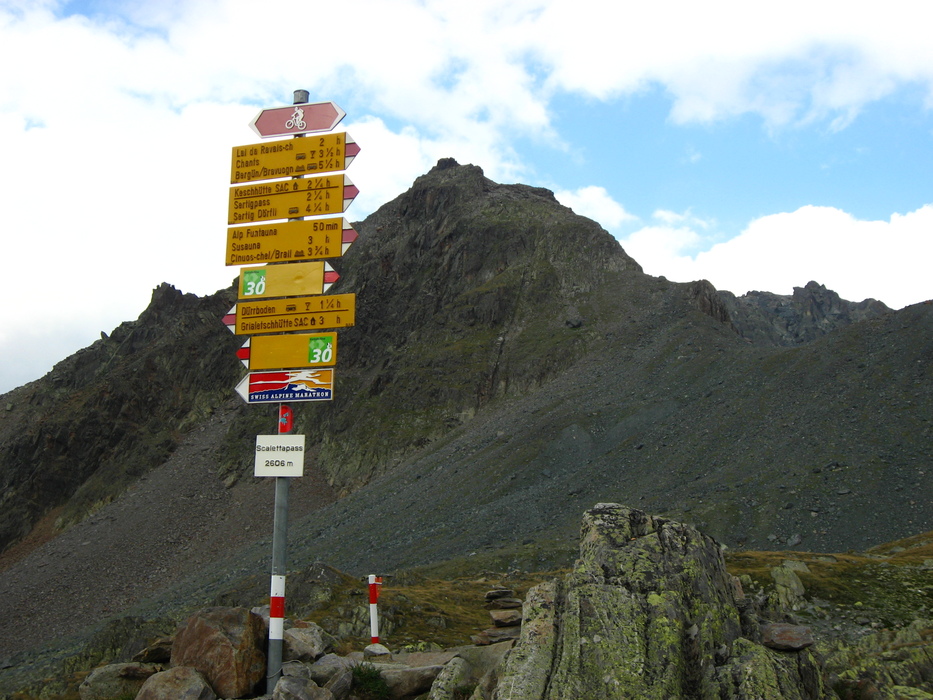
point(368, 683)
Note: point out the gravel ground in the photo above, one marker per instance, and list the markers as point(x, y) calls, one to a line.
point(176, 519)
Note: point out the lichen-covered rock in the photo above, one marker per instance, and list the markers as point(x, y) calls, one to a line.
point(886, 660)
point(648, 605)
point(788, 588)
point(647, 612)
point(754, 671)
point(528, 664)
point(455, 674)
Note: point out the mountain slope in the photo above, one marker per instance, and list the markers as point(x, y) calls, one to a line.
point(511, 366)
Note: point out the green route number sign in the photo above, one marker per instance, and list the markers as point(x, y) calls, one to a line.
point(254, 283)
point(321, 350)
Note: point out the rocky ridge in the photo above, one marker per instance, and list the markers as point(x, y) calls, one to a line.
point(810, 312)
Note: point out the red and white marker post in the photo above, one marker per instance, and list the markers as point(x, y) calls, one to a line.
point(374, 583)
point(277, 587)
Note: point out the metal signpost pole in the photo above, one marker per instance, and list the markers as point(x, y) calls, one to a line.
point(279, 539)
point(277, 589)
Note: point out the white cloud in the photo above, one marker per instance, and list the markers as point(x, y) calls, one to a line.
point(671, 218)
point(716, 59)
point(885, 260)
point(115, 130)
point(595, 203)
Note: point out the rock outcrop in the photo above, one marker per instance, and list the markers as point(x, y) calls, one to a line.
point(649, 611)
point(811, 311)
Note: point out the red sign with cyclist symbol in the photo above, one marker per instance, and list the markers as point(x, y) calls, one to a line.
point(297, 119)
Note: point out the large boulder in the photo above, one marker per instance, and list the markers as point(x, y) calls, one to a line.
point(647, 612)
point(226, 646)
point(181, 683)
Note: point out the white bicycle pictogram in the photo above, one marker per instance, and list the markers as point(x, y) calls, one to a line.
point(297, 121)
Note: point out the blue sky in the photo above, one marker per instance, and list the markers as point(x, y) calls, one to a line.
point(756, 145)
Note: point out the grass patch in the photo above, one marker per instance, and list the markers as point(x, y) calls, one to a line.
point(892, 582)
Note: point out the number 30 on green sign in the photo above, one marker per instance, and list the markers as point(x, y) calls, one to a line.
point(254, 283)
point(321, 350)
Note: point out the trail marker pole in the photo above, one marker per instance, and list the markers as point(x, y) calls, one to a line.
point(374, 583)
point(277, 587)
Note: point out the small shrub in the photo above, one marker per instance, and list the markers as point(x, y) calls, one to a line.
point(463, 692)
point(368, 683)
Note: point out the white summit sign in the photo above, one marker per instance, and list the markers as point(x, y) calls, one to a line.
point(279, 455)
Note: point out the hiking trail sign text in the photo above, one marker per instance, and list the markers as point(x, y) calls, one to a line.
point(292, 158)
point(287, 241)
point(292, 314)
point(290, 199)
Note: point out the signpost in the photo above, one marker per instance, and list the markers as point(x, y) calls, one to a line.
point(301, 118)
point(303, 362)
point(293, 350)
point(293, 314)
point(293, 157)
point(289, 199)
point(286, 280)
point(287, 386)
point(289, 240)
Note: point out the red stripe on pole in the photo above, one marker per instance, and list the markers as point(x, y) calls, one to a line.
point(373, 593)
point(277, 606)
